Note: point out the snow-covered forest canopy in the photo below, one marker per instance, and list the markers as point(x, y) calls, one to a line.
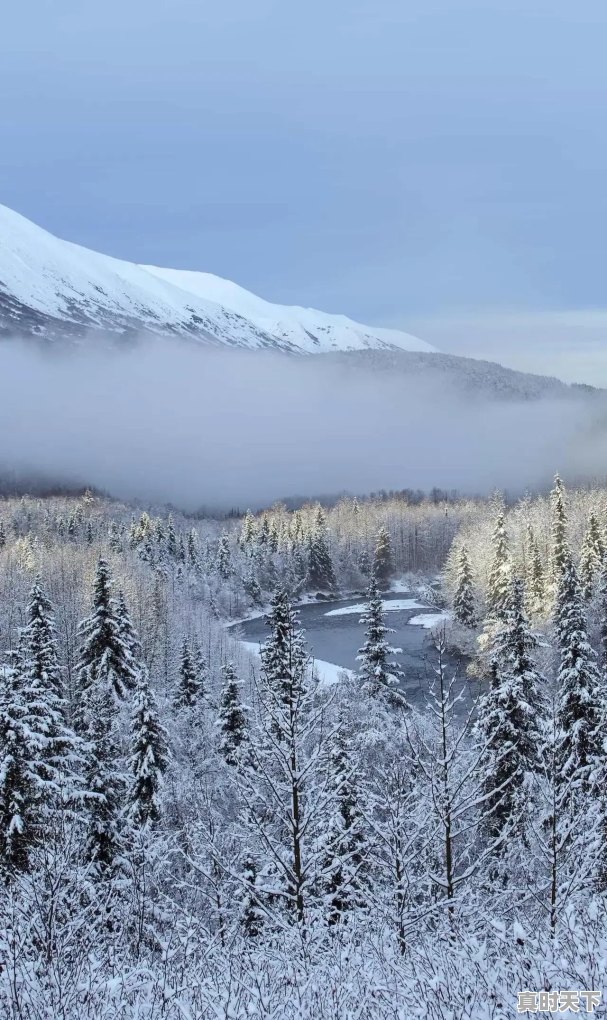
point(189, 831)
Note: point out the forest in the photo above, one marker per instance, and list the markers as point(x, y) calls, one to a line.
point(191, 832)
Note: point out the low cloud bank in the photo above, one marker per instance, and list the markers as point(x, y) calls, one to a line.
point(168, 422)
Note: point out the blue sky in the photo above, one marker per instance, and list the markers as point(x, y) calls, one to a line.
point(410, 162)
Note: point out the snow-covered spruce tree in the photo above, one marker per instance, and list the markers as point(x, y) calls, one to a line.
point(39, 755)
point(508, 728)
point(41, 641)
point(149, 756)
point(20, 827)
point(283, 655)
point(376, 675)
point(232, 721)
point(2, 535)
point(464, 609)
point(104, 650)
point(560, 547)
point(603, 616)
point(224, 565)
point(382, 557)
point(498, 590)
point(346, 860)
point(171, 539)
point(320, 566)
point(127, 631)
point(251, 916)
point(106, 672)
point(105, 780)
point(591, 557)
point(535, 577)
point(248, 532)
point(582, 706)
point(187, 693)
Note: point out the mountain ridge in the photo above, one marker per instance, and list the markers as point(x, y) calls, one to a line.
point(57, 290)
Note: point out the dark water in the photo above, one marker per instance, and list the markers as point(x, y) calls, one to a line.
point(338, 638)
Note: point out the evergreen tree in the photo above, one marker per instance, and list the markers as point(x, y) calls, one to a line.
point(232, 722)
point(172, 548)
point(42, 642)
point(382, 558)
point(591, 557)
point(251, 914)
point(2, 535)
point(536, 582)
point(463, 601)
point(247, 532)
point(128, 634)
point(149, 756)
point(105, 782)
point(509, 725)
point(104, 651)
point(114, 538)
point(19, 774)
point(188, 688)
point(559, 529)
point(603, 616)
point(498, 591)
point(224, 558)
point(346, 862)
point(373, 656)
point(320, 566)
point(581, 699)
point(283, 656)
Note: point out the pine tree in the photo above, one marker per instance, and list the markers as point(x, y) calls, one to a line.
point(382, 558)
point(581, 707)
point(591, 557)
point(127, 633)
point(19, 779)
point(283, 656)
point(247, 532)
point(320, 566)
point(373, 656)
point(104, 652)
point(171, 538)
point(559, 529)
point(232, 722)
point(603, 616)
point(224, 557)
point(536, 581)
point(188, 688)
point(251, 914)
point(105, 782)
point(509, 725)
point(463, 601)
point(498, 591)
point(42, 641)
point(346, 861)
point(149, 756)
point(2, 535)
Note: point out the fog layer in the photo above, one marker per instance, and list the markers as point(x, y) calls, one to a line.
point(173, 423)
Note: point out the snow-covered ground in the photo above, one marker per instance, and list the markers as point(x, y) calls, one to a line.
point(328, 673)
point(389, 606)
point(429, 620)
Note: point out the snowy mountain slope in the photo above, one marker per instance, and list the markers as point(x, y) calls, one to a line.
point(55, 290)
point(305, 328)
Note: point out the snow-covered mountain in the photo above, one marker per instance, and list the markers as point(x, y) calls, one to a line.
point(57, 290)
